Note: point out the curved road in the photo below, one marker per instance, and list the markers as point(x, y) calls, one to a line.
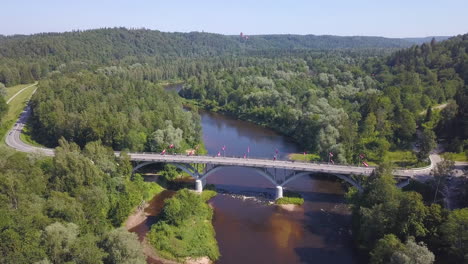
point(13, 140)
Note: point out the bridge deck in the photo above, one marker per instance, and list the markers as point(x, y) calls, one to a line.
point(13, 140)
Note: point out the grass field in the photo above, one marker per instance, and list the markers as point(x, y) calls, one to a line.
point(16, 106)
point(14, 89)
point(456, 156)
point(404, 159)
point(302, 157)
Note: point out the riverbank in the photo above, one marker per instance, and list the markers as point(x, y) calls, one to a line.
point(184, 230)
point(149, 214)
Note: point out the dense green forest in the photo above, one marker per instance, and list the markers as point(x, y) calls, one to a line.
point(102, 89)
point(27, 58)
point(68, 209)
point(387, 221)
point(123, 114)
point(347, 104)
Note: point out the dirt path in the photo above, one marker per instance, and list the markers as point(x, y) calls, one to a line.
point(20, 91)
point(140, 222)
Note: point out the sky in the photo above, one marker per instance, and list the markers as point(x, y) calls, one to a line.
point(394, 18)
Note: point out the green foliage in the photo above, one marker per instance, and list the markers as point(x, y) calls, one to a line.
point(404, 159)
point(123, 248)
point(3, 108)
point(427, 142)
point(302, 157)
point(206, 195)
point(58, 210)
point(455, 233)
point(184, 229)
point(383, 209)
point(384, 249)
point(413, 253)
point(389, 249)
point(383, 215)
point(290, 200)
point(121, 113)
point(290, 197)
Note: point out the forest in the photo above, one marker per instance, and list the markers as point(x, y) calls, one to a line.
point(103, 90)
point(348, 105)
point(69, 209)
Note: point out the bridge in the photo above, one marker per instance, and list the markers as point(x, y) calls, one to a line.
point(265, 167)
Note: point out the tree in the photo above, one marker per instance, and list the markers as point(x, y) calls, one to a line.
point(413, 253)
point(85, 250)
point(385, 248)
point(72, 170)
point(427, 142)
point(455, 233)
point(58, 240)
point(440, 173)
point(2, 90)
point(3, 108)
point(410, 216)
point(162, 138)
point(123, 247)
point(407, 125)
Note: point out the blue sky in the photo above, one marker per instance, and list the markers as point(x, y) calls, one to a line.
point(396, 18)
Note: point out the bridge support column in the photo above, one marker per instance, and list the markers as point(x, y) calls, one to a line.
point(279, 192)
point(198, 186)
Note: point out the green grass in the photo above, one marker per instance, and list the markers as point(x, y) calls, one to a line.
point(291, 197)
point(403, 159)
point(16, 106)
point(14, 89)
point(302, 157)
point(456, 156)
point(208, 194)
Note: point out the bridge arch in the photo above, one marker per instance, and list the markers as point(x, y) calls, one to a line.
point(184, 167)
point(192, 172)
point(265, 174)
point(340, 176)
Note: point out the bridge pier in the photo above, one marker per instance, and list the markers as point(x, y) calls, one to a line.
point(198, 186)
point(279, 192)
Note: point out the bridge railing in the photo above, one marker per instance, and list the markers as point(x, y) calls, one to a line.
point(249, 158)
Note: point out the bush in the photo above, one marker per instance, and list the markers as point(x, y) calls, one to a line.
point(291, 198)
point(184, 229)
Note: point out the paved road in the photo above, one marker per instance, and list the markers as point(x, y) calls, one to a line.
point(20, 91)
point(13, 140)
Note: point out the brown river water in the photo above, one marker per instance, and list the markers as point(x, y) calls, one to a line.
point(251, 230)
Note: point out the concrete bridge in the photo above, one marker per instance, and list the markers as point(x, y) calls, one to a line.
point(265, 167)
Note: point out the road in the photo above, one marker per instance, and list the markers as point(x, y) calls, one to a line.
point(13, 140)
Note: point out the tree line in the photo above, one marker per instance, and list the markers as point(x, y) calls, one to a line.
point(398, 226)
point(122, 114)
point(69, 209)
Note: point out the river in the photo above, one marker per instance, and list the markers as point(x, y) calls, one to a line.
point(248, 228)
point(251, 231)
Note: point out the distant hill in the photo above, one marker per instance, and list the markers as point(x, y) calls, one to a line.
point(322, 42)
point(24, 58)
point(117, 43)
point(420, 41)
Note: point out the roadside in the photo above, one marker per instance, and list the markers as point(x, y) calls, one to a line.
point(11, 97)
point(17, 103)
